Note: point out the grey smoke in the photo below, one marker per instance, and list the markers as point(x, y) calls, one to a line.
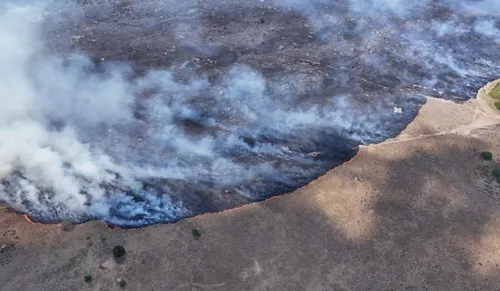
point(68, 136)
point(80, 142)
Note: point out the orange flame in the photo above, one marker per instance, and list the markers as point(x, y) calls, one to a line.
point(28, 219)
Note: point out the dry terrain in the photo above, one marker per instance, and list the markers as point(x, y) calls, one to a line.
point(417, 212)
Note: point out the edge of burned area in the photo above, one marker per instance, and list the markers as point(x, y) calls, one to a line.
point(484, 115)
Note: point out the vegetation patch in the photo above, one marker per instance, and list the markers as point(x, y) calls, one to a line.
point(487, 156)
point(196, 234)
point(497, 105)
point(495, 92)
point(496, 172)
point(87, 278)
point(122, 283)
point(118, 251)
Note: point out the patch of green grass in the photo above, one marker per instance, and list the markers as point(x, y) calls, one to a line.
point(495, 92)
point(102, 238)
point(118, 251)
point(487, 156)
point(497, 105)
point(87, 278)
point(196, 234)
point(496, 172)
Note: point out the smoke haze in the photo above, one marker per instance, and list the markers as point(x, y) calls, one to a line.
point(142, 112)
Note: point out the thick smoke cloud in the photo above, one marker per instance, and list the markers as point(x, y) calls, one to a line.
point(89, 136)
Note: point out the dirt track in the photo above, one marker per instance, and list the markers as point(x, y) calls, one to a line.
point(419, 212)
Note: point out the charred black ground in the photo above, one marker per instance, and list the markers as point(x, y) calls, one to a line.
point(311, 54)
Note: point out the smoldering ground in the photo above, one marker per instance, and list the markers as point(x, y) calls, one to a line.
point(141, 112)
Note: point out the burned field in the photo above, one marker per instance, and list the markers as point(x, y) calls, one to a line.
point(188, 107)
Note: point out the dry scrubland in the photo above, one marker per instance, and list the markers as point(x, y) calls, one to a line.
point(417, 212)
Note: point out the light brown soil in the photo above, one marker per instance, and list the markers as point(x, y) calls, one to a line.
point(418, 212)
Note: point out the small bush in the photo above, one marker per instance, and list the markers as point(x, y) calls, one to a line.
point(102, 238)
point(496, 172)
point(87, 278)
point(497, 105)
point(118, 251)
point(122, 283)
point(495, 92)
point(487, 156)
point(196, 234)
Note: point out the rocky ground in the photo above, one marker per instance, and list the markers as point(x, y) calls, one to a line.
point(417, 212)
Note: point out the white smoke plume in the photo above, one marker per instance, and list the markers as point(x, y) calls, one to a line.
point(84, 141)
point(71, 146)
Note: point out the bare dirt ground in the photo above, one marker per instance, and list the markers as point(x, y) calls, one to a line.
point(418, 212)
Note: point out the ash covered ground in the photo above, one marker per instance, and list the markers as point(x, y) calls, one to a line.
point(143, 112)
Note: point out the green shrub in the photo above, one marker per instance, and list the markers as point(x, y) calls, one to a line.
point(487, 156)
point(497, 105)
point(122, 283)
point(496, 172)
point(118, 251)
point(196, 234)
point(102, 238)
point(495, 92)
point(87, 278)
